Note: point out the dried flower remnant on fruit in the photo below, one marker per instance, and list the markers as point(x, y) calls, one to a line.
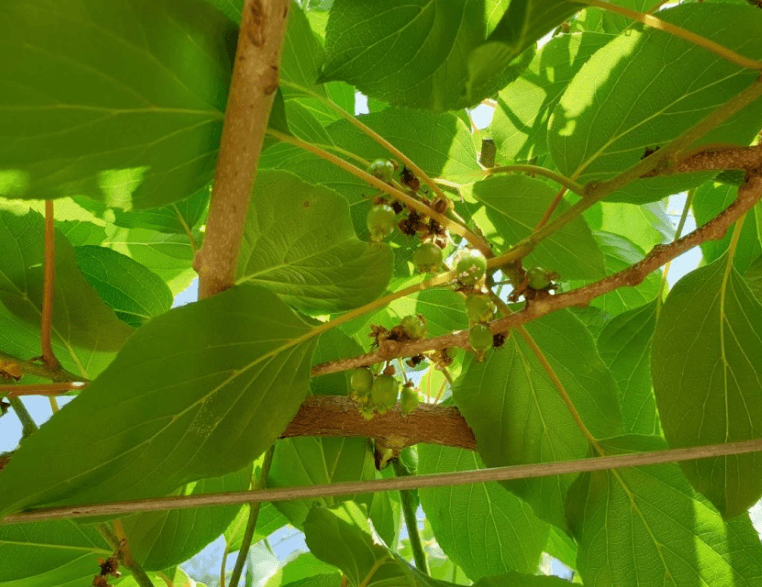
point(498, 340)
point(414, 327)
point(408, 179)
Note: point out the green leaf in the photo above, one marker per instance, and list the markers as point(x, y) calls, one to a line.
point(160, 540)
point(709, 200)
point(562, 547)
point(518, 580)
point(645, 88)
point(520, 123)
point(443, 309)
point(512, 205)
point(132, 291)
point(341, 537)
point(268, 521)
point(49, 553)
point(619, 253)
point(435, 55)
point(299, 243)
point(95, 101)
point(305, 569)
point(616, 23)
point(85, 334)
point(646, 225)
point(707, 371)
point(645, 526)
point(518, 416)
point(176, 218)
point(753, 277)
point(170, 256)
point(482, 527)
point(179, 400)
point(625, 347)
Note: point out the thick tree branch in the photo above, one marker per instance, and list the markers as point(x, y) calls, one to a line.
point(748, 195)
point(328, 415)
point(252, 91)
point(121, 508)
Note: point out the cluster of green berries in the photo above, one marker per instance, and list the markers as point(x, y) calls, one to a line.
point(380, 393)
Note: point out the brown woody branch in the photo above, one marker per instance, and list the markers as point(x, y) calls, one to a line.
point(328, 415)
point(252, 91)
point(748, 159)
point(748, 195)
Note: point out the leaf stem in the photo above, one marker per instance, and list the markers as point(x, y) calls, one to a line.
point(353, 120)
point(530, 471)
point(569, 184)
point(691, 37)
point(48, 356)
point(118, 541)
point(186, 228)
point(408, 509)
point(458, 229)
point(552, 208)
point(251, 523)
point(28, 425)
point(48, 389)
point(678, 234)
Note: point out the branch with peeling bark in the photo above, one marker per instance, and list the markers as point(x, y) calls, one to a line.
point(748, 195)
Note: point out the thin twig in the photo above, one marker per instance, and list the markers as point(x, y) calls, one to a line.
point(48, 389)
point(411, 522)
point(530, 471)
point(251, 523)
point(678, 234)
point(569, 184)
point(48, 356)
point(119, 542)
point(28, 425)
point(252, 91)
point(19, 367)
point(677, 31)
point(748, 195)
point(552, 208)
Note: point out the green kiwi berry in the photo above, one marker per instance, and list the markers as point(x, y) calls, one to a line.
point(383, 169)
point(381, 222)
point(414, 326)
point(539, 278)
point(480, 337)
point(471, 267)
point(427, 258)
point(361, 382)
point(409, 400)
point(479, 308)
point(384, 392)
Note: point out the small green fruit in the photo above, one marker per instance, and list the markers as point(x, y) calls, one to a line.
point(383, 169)
point(427, 258)
point(409, 400)
point(381, 221)
point(480, 337)
point(539, 278)
point(479, 308)
point(471, 267)
point(414, 327)
point(384, 392)
point(361, 382)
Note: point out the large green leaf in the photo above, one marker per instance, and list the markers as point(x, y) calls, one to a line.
point(645, 88)
point(268, 521)
point(520, 124)
point(482, 527)
point(645, 526)
point(160, 540)
point(709, 200)
point(85, 333)
point(616, 23)
point(119, 101)
point(707, 371)
point(299, 242)
point(646, 225)
point(49, 553)
point(519, 417)
point(197, 392)
point(131, 290)
point(512, 207)
point(625, 347)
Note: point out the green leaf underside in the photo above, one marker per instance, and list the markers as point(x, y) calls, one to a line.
point(85, 334)
point(435, 55)
point(483, 528)
point(160, 540)
point(645, 88)
point(625, 347)
point(518, 416)
point(179, 401)
point(49, 553)
point(95, 102)
point(299, 243)
point(520, 123)
point(131, 290)
point(645, 526)
point(268, 521)
point(709, 200)
point(707, 372)
point(512, 207)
